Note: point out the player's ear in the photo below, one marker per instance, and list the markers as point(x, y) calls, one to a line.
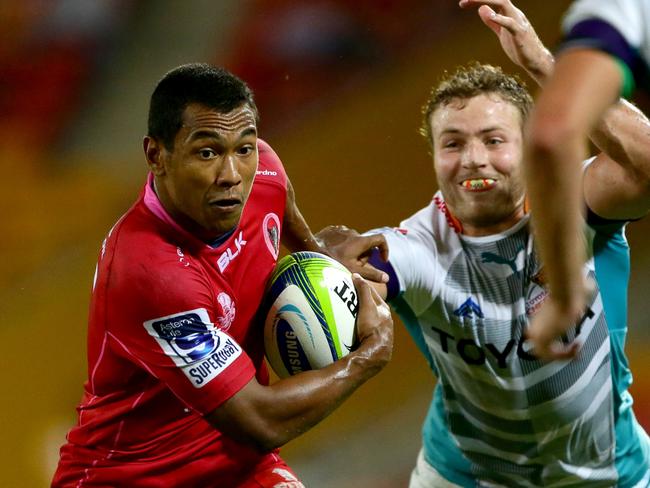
point(154, 151)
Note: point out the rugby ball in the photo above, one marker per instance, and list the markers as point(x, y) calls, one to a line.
point(311, 307)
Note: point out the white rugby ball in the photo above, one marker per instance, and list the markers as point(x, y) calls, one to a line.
point(311, 306)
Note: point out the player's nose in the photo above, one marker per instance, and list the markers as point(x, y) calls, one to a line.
point(474, 155)
point(228, 172)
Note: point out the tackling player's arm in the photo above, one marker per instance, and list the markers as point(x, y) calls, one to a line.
point(297, 236)
point(267, 417)
point(616, 183)
point(615, 186)
point(584, 84)
point(354, 250)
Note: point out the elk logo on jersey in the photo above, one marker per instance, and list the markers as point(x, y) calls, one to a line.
point(194, 344)
point(232, 252)
point(271, 230)
point(227, 309)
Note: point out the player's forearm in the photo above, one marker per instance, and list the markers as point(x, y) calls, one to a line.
point(541, 66)
point(320, 392)
point(564, 114)
point(300, 239)
point(589, 83)
point(571, 104)
point(296, 234)
point(622, 131)
point(267, 417)
point(553, 181)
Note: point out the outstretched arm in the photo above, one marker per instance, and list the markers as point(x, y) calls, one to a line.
point(583, 86)
point(616, 183)
point(575, 101)
point(516, 35)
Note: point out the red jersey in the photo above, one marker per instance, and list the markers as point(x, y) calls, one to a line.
point(171, 337)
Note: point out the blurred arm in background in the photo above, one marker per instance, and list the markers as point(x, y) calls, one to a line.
point(578, 91)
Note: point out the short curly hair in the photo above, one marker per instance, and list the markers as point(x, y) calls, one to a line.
point(211, 86)
point(470, 81)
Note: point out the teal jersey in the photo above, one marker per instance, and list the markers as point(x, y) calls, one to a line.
point(499, 416)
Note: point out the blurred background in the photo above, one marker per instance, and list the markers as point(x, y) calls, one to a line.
point(339, 85)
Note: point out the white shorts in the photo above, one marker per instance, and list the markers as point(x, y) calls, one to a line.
point(425, 476)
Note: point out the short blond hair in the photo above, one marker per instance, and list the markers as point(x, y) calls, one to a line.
point(470, 81)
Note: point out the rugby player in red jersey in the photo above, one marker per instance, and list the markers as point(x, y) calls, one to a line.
point(177, 391)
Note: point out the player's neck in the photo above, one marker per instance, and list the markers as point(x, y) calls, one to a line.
point(478, 229)
point(187, 223)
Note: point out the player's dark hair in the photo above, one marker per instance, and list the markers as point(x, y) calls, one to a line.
point(211, 86)
point(470, 81)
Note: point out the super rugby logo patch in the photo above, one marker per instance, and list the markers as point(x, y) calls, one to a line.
point(195, 345)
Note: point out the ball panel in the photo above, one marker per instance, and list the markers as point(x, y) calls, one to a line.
point(311, 309)
point(304, 272)
point(342, 308)
point(290, 349)
point(325, 275)
point(301, 343)
point(314, 326)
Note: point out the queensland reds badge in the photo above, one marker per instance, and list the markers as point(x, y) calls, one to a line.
point(227, 311)
point(271, 231)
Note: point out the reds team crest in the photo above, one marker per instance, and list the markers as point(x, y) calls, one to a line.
point(271, 231)
point(227, 310)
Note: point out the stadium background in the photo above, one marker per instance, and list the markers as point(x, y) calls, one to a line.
point(339, 86)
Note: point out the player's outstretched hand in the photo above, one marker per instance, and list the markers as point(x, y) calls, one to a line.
point(353, 250)
point(518, 38)
point(374, 324)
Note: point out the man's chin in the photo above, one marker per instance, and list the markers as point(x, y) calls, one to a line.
point(490, 219)
point(225, 227)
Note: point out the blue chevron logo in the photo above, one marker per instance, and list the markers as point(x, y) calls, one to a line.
point(469, 308)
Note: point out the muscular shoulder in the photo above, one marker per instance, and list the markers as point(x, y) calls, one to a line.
point(413, 258)
point(420, 234)
point(143, 263)
point(270, 169)
point(433, 224)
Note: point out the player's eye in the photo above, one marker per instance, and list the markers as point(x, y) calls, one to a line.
point(246, 150)
point(451, 144)
point(494, 141)
point(207, 153)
